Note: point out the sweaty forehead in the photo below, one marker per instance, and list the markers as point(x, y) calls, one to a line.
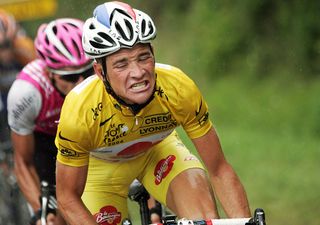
point(127, 53)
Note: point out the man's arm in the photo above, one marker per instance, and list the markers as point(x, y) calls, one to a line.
point(70, 183)
point(225, 181)
point(24, 168)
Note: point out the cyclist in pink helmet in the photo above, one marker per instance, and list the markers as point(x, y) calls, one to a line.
point(59, 49)
point(130, 133)
point(34, 103)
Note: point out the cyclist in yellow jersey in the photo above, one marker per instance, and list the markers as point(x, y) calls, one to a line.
point(119, 125)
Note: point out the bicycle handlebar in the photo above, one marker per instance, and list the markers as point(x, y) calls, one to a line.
point(257, 219)
point(236, 221)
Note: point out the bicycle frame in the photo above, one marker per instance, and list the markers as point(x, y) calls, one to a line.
point(138, 193)
point(46, 191)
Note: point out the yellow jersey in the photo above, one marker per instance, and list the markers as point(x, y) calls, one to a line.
point(92, 122)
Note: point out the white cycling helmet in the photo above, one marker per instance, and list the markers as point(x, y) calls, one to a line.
point(116, 25)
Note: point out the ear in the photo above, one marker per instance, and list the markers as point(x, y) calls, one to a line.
point(152, 49)
point(48, 73)
point(98, 70)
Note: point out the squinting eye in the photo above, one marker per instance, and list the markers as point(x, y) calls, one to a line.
point(145, 57)
point(121, 65)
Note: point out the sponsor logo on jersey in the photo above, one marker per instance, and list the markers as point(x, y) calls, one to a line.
point(96, 111)
point(21, 107)
point(191, 158)
point(115, 133)
point(64, 138)
point(105, 121)
point(108, 215)
point(163, 168)
point(202, 117)
point(157, 123)
point(66, 152)
point(159, 91)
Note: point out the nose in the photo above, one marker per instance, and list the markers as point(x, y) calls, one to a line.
point(136, 70)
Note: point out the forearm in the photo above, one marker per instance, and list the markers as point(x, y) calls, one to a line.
point(231, 193)
point(29, 183)
point(75, 212)
point(69, 189)
point(24, 168)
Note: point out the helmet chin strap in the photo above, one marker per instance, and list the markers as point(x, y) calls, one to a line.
point(135, 108)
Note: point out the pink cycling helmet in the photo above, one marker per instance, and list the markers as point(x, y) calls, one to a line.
point(59, 45)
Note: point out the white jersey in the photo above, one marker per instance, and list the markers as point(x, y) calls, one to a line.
point(24, 101)
point(33, 103)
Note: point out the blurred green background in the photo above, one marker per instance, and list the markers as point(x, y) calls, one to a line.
point(258, 65)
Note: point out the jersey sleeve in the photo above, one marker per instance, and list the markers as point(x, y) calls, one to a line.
point(72, 138)
point(24, 104)
point(193, 111)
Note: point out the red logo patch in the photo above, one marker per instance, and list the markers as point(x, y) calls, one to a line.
point(163, 168)
point(108, 215)
point(135, 149)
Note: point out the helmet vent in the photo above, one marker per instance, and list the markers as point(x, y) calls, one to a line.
point(97, 39)
point(55, 30)
point(58, 51)
point(65, 27)
point(97, 45)
point(107, 38)
point(64, 45)
point(92, 27)
point(47, 40)
point(124, 13)
point(53, 60)
point(76, 48)
point(143, 26)
point(40, 54)
point(122, 33)
point(71, 24)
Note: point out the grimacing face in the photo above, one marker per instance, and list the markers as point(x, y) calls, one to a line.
point(131, 73)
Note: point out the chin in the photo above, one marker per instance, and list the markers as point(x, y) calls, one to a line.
point(139, 99)
point(142, 97)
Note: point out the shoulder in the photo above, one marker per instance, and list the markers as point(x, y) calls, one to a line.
point(22, 89)
point(34, 71)
point(34, 67)
point(23, 104)
point(175, 82)
point(86, 86)
point(89, 90)
point(83, 98)
point(168, 70)
point(172, 75)
point(77, 112)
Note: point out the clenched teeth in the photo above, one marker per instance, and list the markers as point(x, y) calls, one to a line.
point(139, 85)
